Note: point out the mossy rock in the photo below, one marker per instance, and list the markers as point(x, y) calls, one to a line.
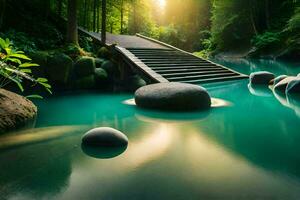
point(110, 68)
point(59, 67)
point(72, 50)
point(41, 58)
point(133, 83)
point(100, 75)
point(99, 62)
point(15, 111)
point(85, 66)
point(104, 53)
point(87, 82)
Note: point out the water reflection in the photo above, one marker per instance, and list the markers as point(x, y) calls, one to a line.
point(248, 66)
point(248, 150)
point(37, 135)
point(170, 117)
point(103, 152)
point(260, 90)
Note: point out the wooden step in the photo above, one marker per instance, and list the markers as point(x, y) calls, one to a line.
point(180, 64)
point(164, 56)
point(218, 79)
point(187, 63)
point(177, 74)
point(183, 78)
point(168, 60)
point(204, 69)
point(184, 67)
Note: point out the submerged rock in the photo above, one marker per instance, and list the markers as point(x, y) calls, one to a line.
point(173, 97)
point(15, 110)
point(278, 79)
point(87, 82)
point(282, 85)
point(85, 66)
point(100, 76)
point(293, 86)
point(262, 77)
point(105, 136)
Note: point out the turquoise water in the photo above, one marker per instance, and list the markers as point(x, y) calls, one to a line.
point(246, 149)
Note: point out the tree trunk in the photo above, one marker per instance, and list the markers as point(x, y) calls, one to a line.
point(98, 16)
point(267, 11)
point(47, 8)
point(252, 19)
point(2, 11)
point(103, 29)
point(59, 7)
point(122, 15)
point(94, 16)
point(72, 32)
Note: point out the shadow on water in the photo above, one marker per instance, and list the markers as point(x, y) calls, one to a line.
point(260, 90)
point(103, 152)
point(170, 117)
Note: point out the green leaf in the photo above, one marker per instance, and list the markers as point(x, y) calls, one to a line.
point(2, 43)
point(42, 80)
point(29, 65)
point(49, 90)
point(28, 71)
point(46, 85)
point(17, 82)
point(14, 60)
point(16, 55)
point(34, 96)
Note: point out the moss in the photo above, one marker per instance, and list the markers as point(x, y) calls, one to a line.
point(85, 66)
point(100, 76)
point(59, 67)
point(99, 62)
point(87, 82)
point(104, 53)
point(110, 68)
point(41, 58)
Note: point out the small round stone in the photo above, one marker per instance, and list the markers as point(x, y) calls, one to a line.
point(105, 136)
point(173, 97)
point(262, 77)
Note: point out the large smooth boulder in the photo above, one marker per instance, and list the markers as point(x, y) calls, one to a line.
point(293, 86)
point(105, 136)
point(15, 111)
point(282, 85)
point(85, 66)
point(262, 77)
point(59, 67)
point(173, 97)
point(278, 79)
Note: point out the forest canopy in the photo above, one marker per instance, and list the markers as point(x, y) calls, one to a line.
point(257, 27)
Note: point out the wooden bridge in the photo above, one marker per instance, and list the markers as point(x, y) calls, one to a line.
point(160, 62)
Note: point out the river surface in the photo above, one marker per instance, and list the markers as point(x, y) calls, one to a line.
point(246, 147)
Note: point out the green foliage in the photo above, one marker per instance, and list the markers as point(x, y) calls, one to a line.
point(294, 22)
point(266, 39)
point(15, 66)
point(103, 52)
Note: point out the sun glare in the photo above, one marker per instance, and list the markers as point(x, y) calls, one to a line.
point(161, 3)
